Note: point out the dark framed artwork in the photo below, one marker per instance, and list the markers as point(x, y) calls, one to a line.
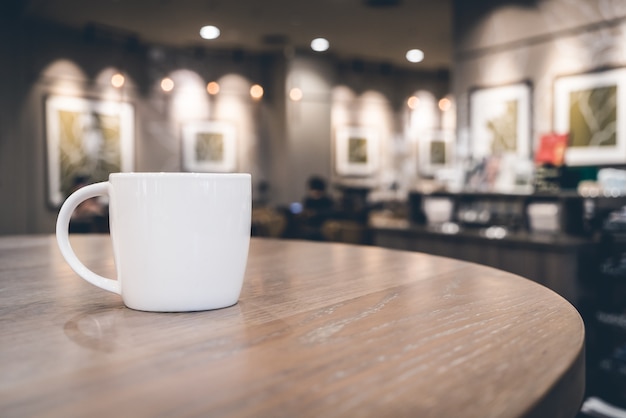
point(86, 138)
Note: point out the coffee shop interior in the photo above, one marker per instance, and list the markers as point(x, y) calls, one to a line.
point(488, 130)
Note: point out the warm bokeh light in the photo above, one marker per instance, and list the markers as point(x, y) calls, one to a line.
point(209, 32)
point(320, 44)
point(256, 91)
point(167, 84)
point(295, 94)
point(415, 55)
point(412, 102)
point(445, 104)
point(117, 80)
point(213, 87)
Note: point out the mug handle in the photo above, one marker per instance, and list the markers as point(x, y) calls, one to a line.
point(62, 232)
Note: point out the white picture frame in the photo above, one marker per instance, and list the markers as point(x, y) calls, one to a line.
point(597, 133)
point(209, 146)
point(356, 151)
point(86, 138)
point(500, 121)
point(435, 151)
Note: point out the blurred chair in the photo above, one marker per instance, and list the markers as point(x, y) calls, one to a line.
point(268, 222)
point(351, 232)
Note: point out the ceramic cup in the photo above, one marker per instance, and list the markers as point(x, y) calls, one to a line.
point(180, 240)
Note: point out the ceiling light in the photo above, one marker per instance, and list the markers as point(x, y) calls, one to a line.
point(256, 91)
point(167, 84)
point(320, 44)
point(415, 55)
point(213, 87)
point(209, 32)
point(295, 94)
point(412, 102)
point(117, 80)
point(445, 104)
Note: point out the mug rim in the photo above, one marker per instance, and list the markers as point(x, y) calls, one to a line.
point(176, 174)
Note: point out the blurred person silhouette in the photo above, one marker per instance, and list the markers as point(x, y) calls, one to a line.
point(317, 207)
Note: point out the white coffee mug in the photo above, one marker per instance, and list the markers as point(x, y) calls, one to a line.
point(180, 240)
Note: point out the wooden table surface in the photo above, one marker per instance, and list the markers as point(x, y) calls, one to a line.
point(321, 330)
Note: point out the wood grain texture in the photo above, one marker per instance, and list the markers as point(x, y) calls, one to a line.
point(321, 329)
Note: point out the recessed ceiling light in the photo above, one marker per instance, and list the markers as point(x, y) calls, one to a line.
point(445, 104)
point(167, 84)
point(256, 91)
point(117, 80)
point(209, 32)
point(320, 44)
point(415, 55)
point(295, 94)
point(213, 87)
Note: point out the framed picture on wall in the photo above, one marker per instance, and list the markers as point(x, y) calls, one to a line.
point(86, 139)
point(356, 151)
point(209, 146)
point(435, 151)
point(500, 122)
point(591, 109)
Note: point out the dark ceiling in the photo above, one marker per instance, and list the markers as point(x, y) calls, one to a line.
point(370, 30)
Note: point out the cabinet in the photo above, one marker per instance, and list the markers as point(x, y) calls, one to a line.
point(512, 211)
point(565, 259)
point(605, 318)
point(558, 262)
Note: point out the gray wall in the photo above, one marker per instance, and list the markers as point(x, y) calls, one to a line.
point(503, 42)
point(279, 141)
point(14, 177)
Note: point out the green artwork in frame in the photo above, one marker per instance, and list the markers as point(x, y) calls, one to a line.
point(209, 146)
point(88, 146)
point(503, 129)
point(435, 151)
point(356, 151)
point(591, 109)
point(500, 122)
point(438, 152)
point(593, 117)
point(86, 138)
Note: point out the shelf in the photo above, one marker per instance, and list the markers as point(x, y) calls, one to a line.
point(527, 239)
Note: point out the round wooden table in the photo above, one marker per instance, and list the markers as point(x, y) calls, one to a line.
point(321, 330)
